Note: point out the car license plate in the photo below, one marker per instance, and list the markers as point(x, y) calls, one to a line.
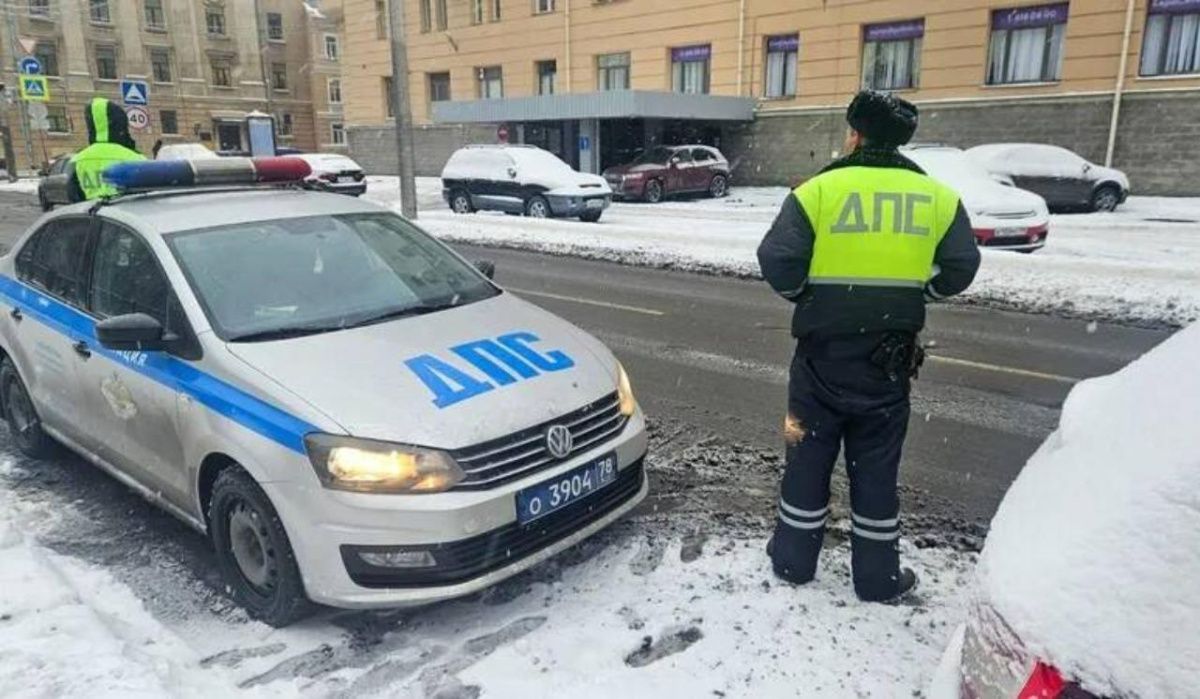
point(1010, 232)
point(595, 203)
point(571, 487)
point(344, 179)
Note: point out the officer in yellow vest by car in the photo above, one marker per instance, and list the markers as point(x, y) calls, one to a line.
point(110, 142)
point(859, 249)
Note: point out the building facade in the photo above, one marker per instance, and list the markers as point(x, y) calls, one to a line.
point(207, 64)
point(981, 70)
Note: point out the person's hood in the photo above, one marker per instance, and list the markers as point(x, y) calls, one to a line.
point(383, 381)
point(629, 168)
point(107, 123)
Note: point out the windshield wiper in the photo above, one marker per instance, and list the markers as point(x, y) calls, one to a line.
point(284, 333)
point(417, 310)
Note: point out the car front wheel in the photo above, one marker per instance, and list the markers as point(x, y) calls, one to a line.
point(654, 192)
point(23, 422)
point(1106, 198)
point(43, 202)
point(460, 202)
point(719, 186)
point(537, 207)
point(253, 551)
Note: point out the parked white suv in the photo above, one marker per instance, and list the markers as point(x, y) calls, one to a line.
point(519, 179)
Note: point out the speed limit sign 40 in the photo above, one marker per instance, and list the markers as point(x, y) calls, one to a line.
point(139, 118)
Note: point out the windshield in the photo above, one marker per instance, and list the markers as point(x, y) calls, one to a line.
point(271, 279)
point(657, 156)
point(949, 166)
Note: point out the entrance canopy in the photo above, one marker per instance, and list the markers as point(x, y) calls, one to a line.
point(616, 104)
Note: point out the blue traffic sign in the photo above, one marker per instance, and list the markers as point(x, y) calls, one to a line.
point(585, 143)
point(135, 92)
point(30, 65)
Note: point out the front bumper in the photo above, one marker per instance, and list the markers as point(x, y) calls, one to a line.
point(473, 535)
point(625, 187)
point(1031, 236)
point(567, 205)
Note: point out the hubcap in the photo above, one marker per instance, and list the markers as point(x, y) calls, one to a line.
point(251, 547)
point(1107, 201)
point(461, 205)
point(718, 187)
point(654, 191)
point(537, 209)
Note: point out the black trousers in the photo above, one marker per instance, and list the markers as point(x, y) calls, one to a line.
point(836, 404)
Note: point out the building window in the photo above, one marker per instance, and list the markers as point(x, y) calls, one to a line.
point(491, 82)
point(47, 54)
point(160, 65)
point(496, 10)
point(106, 62)
point(98, 11)
point(214, 20)
point(1026, 44)
point(541, 6)
point(1171, 44)
point(426, 15)
point(39, 8)
point(56, 115)
point(221, 74)
point(168, 120)
point(780, 78)
point(337, 134)
point(443, 15)
point(612, 72)
point(439, 87)
point(478, 9)
point(274, 26)
point(279, 80)
point(389, 97)
point(690, 68)
point(381, 19)
point(283, 122)
point(547, 71)
point(334, 90)
point(155, 19)
point(332, 51)
point(892, 54)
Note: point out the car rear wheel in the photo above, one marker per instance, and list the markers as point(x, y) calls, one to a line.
point(654, 192)
point(719, 187)
point(1106, 198)
point(43, 202)
point(537, 207)
point(24, 425)
point(253, 551)
point(460, 202)
point(590, 216)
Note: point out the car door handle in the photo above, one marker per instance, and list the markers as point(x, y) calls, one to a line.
point(16, 314)
point(81, 348)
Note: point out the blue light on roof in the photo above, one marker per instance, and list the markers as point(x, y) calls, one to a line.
point(149, 174)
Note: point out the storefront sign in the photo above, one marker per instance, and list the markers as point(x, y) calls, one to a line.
point(790, 42)
point(691, 53)
point(1037, 16)
point(895, 31)
point(1174, 6)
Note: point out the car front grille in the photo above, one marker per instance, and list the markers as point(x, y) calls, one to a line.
point(520, 454)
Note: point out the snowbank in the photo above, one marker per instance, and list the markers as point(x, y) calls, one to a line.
point(1094, 554)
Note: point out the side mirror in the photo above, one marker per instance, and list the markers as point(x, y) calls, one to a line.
point(673, 163)
point(131, 332)
point(512, 173)
point(486, 267)
point(1087, 167)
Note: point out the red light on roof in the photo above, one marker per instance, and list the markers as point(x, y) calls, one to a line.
point(280, 169)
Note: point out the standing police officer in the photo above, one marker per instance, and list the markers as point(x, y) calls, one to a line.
point(859, 249)
point(110, 142)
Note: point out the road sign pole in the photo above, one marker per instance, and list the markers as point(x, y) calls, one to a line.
point(10, 26)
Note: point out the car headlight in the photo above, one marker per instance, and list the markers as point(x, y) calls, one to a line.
point(634, 176)
point(365, 465)
point(625, 393)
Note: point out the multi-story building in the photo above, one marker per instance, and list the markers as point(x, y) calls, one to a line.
point(768, 80)
point(207, 63)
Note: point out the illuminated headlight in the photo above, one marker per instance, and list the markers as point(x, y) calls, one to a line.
point(625, 393)
point(364, 465)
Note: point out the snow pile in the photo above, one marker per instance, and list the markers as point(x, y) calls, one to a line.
point(1094, 555)
point(22, 186)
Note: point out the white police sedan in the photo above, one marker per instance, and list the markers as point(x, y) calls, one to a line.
point(353, 413)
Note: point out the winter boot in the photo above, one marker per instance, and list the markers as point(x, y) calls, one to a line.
point(782, 572)
point(905, 584)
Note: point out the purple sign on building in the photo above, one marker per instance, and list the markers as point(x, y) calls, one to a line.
point(895, 31)
point(789, 42)
point(684, 54)
point(1036, 16)
point(1160, 7)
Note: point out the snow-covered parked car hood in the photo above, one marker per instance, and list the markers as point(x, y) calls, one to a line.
point(1093, 556)
point(981, 195)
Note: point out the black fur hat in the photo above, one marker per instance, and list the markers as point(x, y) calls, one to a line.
point(886, 120)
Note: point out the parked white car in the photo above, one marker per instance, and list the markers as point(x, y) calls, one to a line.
point(1001, 216)
point(1060, 176)
point(185, 151)
point(336, 172)
point(520, 179)
point(1087, 583)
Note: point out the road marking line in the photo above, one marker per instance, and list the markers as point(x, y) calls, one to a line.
point(590, 302)
point(1004, 369)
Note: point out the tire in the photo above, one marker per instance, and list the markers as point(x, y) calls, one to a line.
point(719, 186)
point(253, 551)
point(590, 216)
point(538, 207)
point(46, 205)
point(653, 193)
point(1106, 198)
point(24, 425)
point(460, 202)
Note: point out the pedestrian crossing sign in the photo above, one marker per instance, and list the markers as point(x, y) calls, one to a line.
point(135, 92)
point(34, 88)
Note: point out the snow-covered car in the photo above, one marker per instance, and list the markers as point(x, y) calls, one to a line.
point(1002, 217)
point(1060, 176)
point(336, 172)
point(1086, 585)
point(354, 414)
point(185, 151)
point(669, 170)
point(521, 179)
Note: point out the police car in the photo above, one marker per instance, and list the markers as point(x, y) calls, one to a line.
point(354, 414)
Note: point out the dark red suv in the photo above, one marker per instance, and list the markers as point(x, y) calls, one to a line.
point(667, 170)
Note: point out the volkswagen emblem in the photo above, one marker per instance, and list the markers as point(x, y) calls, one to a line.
point(559, 441)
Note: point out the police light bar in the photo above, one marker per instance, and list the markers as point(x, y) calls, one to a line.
point(162, 174)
